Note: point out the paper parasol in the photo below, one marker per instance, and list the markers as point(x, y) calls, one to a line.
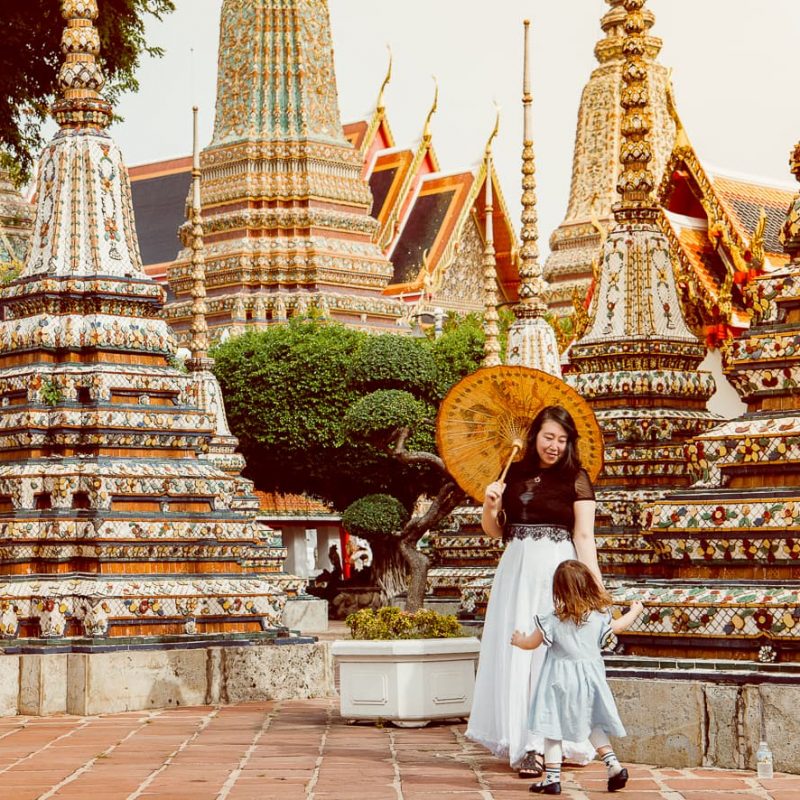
point(483, 414)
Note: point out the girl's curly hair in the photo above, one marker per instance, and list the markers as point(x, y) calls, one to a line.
point(576, 592)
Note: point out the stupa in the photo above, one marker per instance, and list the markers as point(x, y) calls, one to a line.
point(638, 362)
point(115, 520)
point(729, 547)
point(285, 206)
point(575, 243)
point(531, 339)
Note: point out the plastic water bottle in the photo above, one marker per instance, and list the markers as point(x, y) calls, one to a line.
point(764, 761)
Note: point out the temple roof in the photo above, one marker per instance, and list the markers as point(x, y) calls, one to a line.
point(274, 504)
point(159, 194)
point(716, 220)
point(420, 209)
point(744, 200)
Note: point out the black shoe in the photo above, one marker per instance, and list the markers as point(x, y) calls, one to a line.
point(532, 766)
point(546, 788)
point(618, 781)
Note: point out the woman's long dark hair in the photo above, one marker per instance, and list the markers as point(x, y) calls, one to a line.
point(570, 461)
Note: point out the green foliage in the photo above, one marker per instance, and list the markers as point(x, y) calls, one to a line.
point(31, 57)
point(375, 417)
point(286, 393)
point(177, 363)
point(458, 351)
point(10, 273)
point(392, 623)
point(314, 404)
point(390, 361)
point(50, 393)
point(374, 515)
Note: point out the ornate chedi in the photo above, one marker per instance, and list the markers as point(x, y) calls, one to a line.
point(285, 207)
point(114, 519)
point(730, 545)
point(575, 243)
point(531, 338)
point(16, 223)
point(637, 364)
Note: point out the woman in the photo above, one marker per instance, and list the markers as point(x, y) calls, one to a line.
point(545, 513)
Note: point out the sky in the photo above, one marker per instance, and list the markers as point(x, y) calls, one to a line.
point(734, 68)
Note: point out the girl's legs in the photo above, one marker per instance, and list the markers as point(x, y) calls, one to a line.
point(617, 774)
point(551, 783)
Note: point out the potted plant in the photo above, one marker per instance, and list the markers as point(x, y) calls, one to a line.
point(405, 667)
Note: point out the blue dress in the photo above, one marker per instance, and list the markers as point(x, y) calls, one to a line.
point(573, 696)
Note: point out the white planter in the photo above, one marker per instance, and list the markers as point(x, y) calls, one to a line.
point(407, 681)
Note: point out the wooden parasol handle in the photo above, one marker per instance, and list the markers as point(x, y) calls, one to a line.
point(516, 447)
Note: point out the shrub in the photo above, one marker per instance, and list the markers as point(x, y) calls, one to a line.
point(392, 623)
point(379, 414)
point(390, 361)
point(375, 514)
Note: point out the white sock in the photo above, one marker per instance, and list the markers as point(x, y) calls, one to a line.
point(612, 763)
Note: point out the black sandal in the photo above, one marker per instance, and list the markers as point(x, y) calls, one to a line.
point(531, 766)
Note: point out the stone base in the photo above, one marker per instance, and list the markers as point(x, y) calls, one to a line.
point(709, 718)
point(305, 614)
point(130, 680)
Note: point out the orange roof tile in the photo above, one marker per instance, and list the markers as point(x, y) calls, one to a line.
point(274, 504)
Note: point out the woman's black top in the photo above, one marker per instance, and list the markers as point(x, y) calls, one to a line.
point(536, 496)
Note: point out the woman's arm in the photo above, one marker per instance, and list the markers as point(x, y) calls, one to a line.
point(628, 618)
point(583, 536)
point(492, 505)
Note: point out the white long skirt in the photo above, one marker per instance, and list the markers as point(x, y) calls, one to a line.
point(507, 676)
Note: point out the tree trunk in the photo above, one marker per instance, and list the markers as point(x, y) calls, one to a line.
point(389, 572)
point(445, 501)
point(418, 566)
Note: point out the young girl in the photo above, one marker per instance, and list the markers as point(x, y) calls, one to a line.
point(572, 700)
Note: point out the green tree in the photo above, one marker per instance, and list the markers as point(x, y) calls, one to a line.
point(400, 420)
point(350, 417)
point(31, 57)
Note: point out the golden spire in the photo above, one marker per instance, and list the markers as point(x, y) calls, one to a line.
point(80, 78)
point(532, 285)
point(199, 341)
point(491, 347)
point(426, 129)
point(379, 105)
point(636, 181)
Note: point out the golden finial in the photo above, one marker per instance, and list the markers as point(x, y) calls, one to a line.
point(80, 78)
point(635, 184)
point(426, 129)
point(532, 285)
point(491, 347)
point(379, 106)
point(493, 135)
point(199, 340)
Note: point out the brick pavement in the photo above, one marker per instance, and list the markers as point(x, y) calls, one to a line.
point(300, 750)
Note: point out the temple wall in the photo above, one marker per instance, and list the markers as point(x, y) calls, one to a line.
point(131, 680)
point(683, 722)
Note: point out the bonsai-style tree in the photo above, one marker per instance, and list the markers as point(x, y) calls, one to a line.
point(405, 378)
point(349, 417)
